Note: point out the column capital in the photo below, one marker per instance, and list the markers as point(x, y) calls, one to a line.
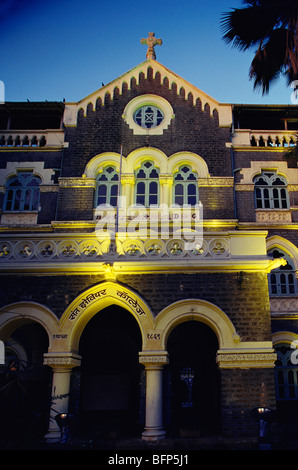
point(62, 360)
point(127, 178)
point(153, 359)
point(166, 178)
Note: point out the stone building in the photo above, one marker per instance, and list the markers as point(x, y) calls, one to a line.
point(148, 254)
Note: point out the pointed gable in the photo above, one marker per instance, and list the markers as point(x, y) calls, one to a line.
point(149, 68)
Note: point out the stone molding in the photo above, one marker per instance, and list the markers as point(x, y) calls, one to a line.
point(83, 182)
point(273, 216)
point(216, 181)
point(284, 304)
point(246, 359)
point(154, 359)
point(62, 360)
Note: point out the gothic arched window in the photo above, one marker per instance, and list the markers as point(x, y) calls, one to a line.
point(271, 191)
point(282, 281)
point(185, 187)
point(107, 187)
point(22, 192)
point(147, 185)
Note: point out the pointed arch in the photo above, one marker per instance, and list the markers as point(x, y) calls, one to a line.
point(95, 299)
point(196, 162)
point(284, 244)
point(99, 162)
point(140, 155)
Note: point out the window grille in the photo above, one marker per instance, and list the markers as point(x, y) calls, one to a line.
point(107, 187)
point(282, 280)
point(147, 185)
point(22, 192)
point(271, 191)
point(186, 187)
point(148, 116)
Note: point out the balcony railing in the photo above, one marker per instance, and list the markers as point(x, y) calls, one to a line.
point(267, 138)
point(31, 139)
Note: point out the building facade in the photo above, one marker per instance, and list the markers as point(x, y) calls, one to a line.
point(148, 254)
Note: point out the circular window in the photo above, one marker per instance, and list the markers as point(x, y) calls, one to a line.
point(148, 116)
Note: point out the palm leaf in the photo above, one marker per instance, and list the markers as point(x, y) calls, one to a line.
point(244, 28)
point(270, 60)
point(272, 27)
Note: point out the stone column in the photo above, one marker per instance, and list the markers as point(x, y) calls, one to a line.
point(166, 182)
point(62, 365)
point(127, 182)
point(154, 364)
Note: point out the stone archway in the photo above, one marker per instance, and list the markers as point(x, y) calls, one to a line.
point(192, 398)
point(110, 374)
point(95, 299)
point(64, 356)
point(200, 310)
point(24, 380)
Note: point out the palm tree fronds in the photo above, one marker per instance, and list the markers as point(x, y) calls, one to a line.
point(244, 28)
point(272, 27)
point(270, 60)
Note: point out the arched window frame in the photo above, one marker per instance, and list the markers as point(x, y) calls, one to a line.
point(147, 184)
point(271, 191)
point(143, 101)
point(22, 192)
point(107, 184)
point(282, 281)
point(185, 182)
point(286, 374)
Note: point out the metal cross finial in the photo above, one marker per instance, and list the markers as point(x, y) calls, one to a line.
point(151, 41)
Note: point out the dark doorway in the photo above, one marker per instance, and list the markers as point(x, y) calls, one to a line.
point(24, 389)
point(192, 381)
point(110, 374)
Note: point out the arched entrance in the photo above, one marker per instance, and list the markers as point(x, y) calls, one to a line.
point(110, 374)
point(24, 386)
point(192, 381)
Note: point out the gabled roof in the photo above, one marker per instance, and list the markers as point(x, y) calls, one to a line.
point(189, 90)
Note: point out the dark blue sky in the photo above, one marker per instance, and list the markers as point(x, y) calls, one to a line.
point(53, 49)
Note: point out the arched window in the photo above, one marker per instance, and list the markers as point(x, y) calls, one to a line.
point(286, 373)
point(107, 187)
point(282, 281)
point(22, 192)
point(271, 191)
point(185, 187)
point(147, 185)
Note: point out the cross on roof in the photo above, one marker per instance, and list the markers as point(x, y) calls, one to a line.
point(151, 41)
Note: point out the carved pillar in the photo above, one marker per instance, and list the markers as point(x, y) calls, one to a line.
point(154, 364)
point(127, 182)
point(62, 365)
point(166, 182)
